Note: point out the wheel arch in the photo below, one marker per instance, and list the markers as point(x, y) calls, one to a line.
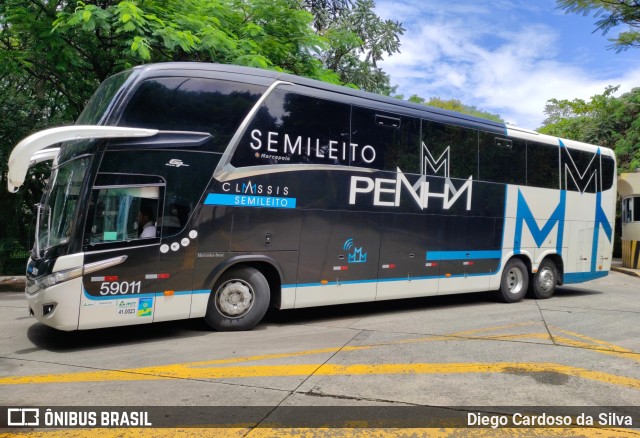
point(265, 264)
point(524, 259)
point(557, 260)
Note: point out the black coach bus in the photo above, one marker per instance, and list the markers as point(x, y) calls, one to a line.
point(189, 190)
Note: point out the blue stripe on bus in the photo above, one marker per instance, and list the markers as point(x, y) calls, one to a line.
point(239, 200)
point(462, 255)
point(579, 277)
point(385, 280)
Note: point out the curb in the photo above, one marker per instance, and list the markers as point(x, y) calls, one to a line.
point(627, 271)
point(12, 284)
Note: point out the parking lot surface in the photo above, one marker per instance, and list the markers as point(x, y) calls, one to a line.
point(579, 348)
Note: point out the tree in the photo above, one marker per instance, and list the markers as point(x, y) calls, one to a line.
point(357, 40)
point(54, 53)
point(611, 13)
point(605, 120)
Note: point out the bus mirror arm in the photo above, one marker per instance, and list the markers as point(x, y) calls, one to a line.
point(22, 154)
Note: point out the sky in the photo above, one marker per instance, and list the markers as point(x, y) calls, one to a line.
point(507, 57)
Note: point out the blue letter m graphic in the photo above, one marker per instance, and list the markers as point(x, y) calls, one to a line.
point(600, 221)
point(524, 214)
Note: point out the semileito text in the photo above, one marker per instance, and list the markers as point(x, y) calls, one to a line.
point(276, 143)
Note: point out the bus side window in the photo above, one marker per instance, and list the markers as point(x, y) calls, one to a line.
point(291, 128)
point(449, 150)
point(608, 172)
point(192, 104)
point(120, 214)
point(395, 139)
point(502, 160)
point(542, 165)
point(175, 216)
point(579, 170)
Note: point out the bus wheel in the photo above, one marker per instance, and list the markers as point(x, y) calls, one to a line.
point(239, 300)
point(513, 285)
point(543, 283)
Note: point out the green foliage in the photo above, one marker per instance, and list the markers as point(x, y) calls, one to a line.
point(54, 53)
point(611, 14)
point(605, 120)
point(259, 33)
point(12, 257)
point(357, 40)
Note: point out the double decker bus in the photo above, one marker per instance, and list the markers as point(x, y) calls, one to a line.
point(189, 190)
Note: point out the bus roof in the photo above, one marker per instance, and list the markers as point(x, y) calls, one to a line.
point(177, 67)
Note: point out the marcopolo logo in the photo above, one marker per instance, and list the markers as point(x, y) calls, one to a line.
point(175, 162)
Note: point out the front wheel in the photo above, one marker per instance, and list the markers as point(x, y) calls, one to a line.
point(543, 284)
point(239, 300)
point(514, 282)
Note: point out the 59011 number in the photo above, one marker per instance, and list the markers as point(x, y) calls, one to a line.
point(120, 288)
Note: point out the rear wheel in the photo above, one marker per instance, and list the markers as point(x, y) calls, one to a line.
point(513, 285)
point(543, 283)
point(239, 300)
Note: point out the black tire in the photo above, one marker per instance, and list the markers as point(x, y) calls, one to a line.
point(239, 300)
point(514, 282)
point(543, 283)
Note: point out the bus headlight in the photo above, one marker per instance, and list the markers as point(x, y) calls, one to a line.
point(53, 279)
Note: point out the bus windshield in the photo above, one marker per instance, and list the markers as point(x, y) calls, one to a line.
point(98, 106)
point(57, 212)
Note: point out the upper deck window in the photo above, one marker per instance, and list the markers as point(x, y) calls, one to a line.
point(98, 107)
point(192, 104)
point(542, 165)
point(449, 151)
point(292, 128)
point(502, 160)
point(395, 137)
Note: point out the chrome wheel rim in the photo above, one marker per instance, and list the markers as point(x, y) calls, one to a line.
point(234, 298)
point(515, 280)
point(546, 279)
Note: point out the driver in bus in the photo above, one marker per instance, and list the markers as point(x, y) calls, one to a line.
point(146, 224)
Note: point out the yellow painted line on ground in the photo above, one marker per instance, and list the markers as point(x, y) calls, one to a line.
point(628, 354)
point(180, 371)
point(356, 432)
point(277, 355)
point(211, 369)
point(596, 345)
point(495, 328)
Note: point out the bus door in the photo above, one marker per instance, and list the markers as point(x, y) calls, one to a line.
point(121, 227)
point(581, 233)
point(338, 257)
point(176, 262)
